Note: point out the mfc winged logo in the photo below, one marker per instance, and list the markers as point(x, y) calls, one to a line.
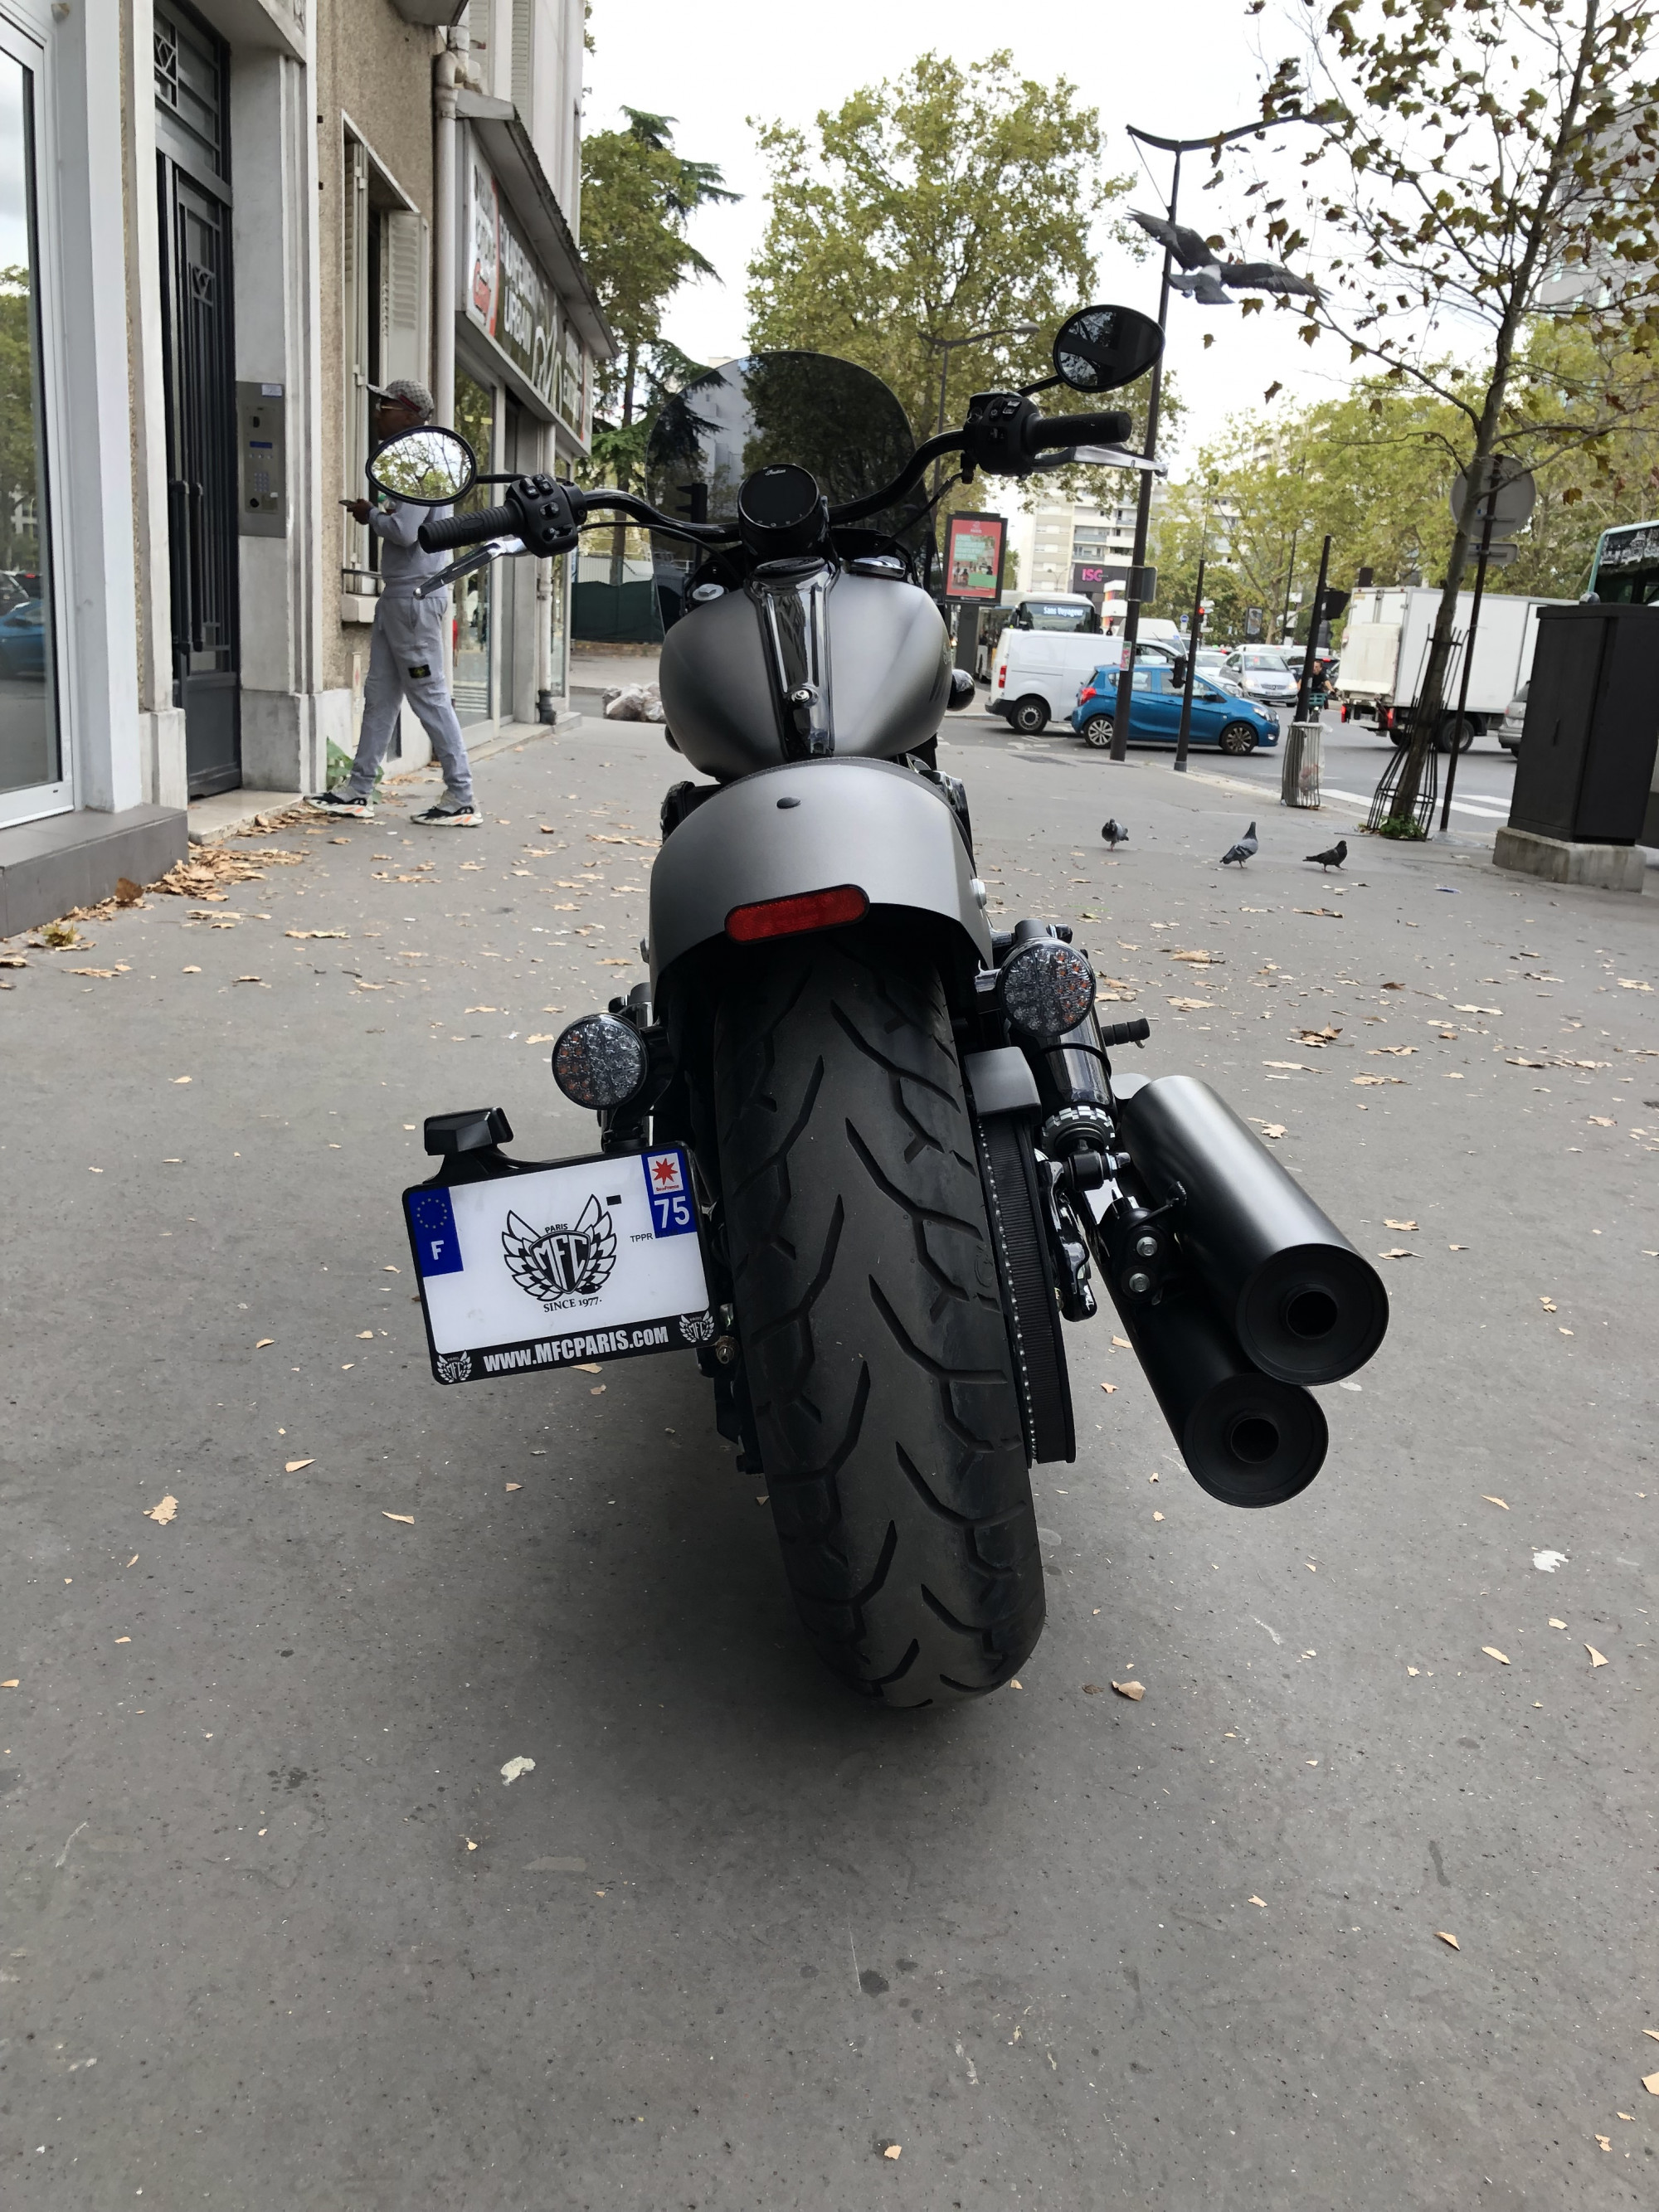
point(555, 1265)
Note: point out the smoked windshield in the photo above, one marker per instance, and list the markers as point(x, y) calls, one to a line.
point(825, 415)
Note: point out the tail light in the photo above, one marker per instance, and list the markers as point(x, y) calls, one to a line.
point(1087, 692)
point(793, 917)
point(1002, 674)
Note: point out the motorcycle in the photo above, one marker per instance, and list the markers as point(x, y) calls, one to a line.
point(862, 1153)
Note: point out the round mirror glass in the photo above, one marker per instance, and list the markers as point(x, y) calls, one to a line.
point(1101, 349)
point(430, 466)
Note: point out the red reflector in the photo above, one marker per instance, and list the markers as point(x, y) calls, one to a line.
point(1087, 692)
point(789, 917)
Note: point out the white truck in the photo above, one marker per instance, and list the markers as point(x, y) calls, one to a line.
point(1385, 649)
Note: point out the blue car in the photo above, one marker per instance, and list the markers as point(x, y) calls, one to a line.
point(1219, 718)
point(23, 640)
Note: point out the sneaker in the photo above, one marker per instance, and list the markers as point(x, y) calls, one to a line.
point(341, 802)
point(449, 817)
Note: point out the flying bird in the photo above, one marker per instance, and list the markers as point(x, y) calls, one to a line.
point(1334, 858)
point(1113, 832)
point(1205, 273)
point(1243, 850)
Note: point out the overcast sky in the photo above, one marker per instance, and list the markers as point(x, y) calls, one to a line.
point(1180, 70)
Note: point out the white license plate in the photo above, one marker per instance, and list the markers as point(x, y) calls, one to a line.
point(593, 1259)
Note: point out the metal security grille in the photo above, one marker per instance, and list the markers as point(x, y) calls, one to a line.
point(190, 83)
point(199, 362)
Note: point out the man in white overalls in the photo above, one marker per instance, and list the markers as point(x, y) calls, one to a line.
point(406, 660)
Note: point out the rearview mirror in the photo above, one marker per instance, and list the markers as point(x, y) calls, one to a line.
point(1102, 348)
point(428, 466)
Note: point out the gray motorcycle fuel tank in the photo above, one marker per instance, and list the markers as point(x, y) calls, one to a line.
point(804, 661)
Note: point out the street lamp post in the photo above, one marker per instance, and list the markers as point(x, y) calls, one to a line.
point(1144, 511)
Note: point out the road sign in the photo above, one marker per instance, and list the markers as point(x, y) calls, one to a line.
point(1499, 488)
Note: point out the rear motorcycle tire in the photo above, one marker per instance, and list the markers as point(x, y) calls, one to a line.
point(877, 1355)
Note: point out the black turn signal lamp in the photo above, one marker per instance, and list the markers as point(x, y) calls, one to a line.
point(599, 1061)
point(1046, 988)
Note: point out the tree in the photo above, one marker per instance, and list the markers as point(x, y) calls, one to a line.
point(930, 206)
point(1482, 166)
point(638, 195)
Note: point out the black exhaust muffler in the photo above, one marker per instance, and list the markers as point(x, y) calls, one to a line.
point(1303, 1305)
point(1247, 1439)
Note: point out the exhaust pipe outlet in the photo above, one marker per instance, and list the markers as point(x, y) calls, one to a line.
point(1247, 1439)
point(1304, 1305)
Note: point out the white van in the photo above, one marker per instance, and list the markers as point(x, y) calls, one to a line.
point(1038, 673)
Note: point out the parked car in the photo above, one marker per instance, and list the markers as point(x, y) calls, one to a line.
point(1261, 671)
point(1037, 672)
point(1219, 717)
point(1210, 661)
point(23, 640)
point(1515, 715)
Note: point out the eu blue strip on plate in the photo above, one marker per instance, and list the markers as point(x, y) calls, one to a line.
point(437, 1247)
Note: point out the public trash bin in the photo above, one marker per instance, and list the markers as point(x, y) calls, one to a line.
point(1584, 779)
point(1300, 763)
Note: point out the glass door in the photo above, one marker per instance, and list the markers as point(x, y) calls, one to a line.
point(475, 594)
point(33, 778)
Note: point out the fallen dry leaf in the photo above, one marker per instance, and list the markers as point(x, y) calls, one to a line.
point(1554, 1623)
point(1650, 2083)
point(1602, 1121)
point(1122, 1343)
point(1110, 1388)
point(1630, 984)
point(1548, 1304)
point(1387, 1224)
point(408, 1518)
point(1298, 1066)
point(1654, 2033)
point(1493, 1652)
point(1261, 1901)
point(264, 1340)
point(1605, 2143)
point(515, 1485)
point(13, 1684)
point(1446, 1936)
point(891, 2150)
point(1596, 1659)
point(1274, 1129)
point(293, 1466)
point(589, 1367)
point(13, 960)
point(316, 932)
point(1399, 1051)
point(1491, 1500)
point(1396, 1251)
point(1462, 1009)
point(1093, 1689)
point(1190, 1006)
point(1157, 1516)
point(1133, 1691)
point(1368, 1081)
point(1199, 958)
point(163, 1513)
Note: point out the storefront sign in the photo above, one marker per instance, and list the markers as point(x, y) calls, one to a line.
point(509, 296)
point(973, 558)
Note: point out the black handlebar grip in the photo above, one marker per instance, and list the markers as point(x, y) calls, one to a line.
point(1134, 1032)
point(1108, 427)
point(469, 529)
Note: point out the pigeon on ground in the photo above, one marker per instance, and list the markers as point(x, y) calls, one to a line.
point(1242, 851)
point(1334, 858)
point(1113, 832)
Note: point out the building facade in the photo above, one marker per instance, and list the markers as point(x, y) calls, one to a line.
point(311, 199)
point(1086, 547)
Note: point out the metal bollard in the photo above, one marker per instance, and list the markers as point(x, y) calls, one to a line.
point(1299, 771)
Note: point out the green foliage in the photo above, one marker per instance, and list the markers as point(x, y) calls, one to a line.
point(1480, 166)
point(19, 549)
point(1374, 469)
point(1401, 827)
point(638, 195)
point(930, 206)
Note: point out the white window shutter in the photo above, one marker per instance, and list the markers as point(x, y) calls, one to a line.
point(403, 299)
point(354, 272)
point(523, 46)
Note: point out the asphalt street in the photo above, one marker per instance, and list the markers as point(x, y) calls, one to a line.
point(276, 1930)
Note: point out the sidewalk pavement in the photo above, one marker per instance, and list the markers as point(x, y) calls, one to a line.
point(279, 1934)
